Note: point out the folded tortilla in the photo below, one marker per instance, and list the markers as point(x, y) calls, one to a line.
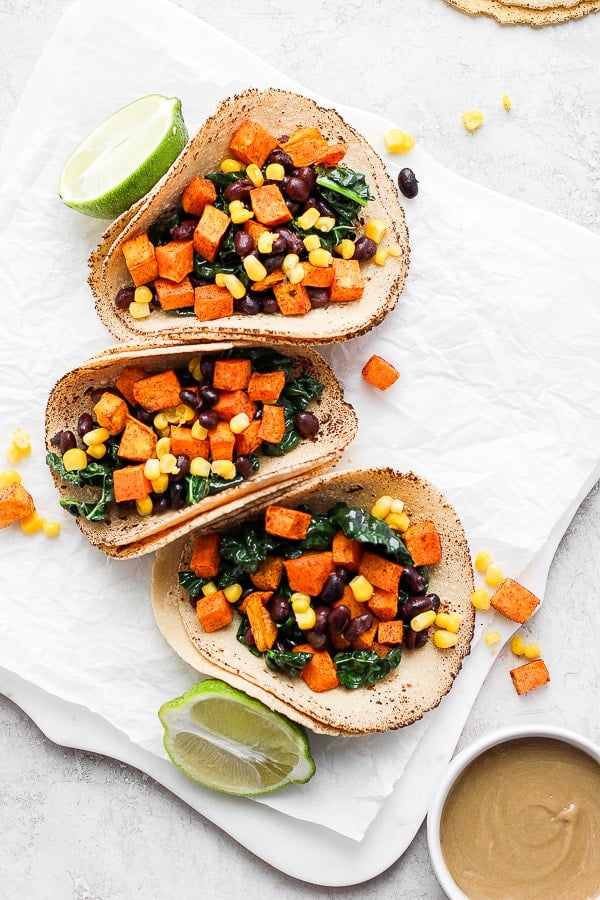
point(129, 534)
point(424, 675)
point(280, 112)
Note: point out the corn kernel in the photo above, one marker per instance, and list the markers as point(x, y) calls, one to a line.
point(239, 423)
point(398, 141)
point(139, 310)
point(308, 219)
point(265, 242)
point(231, 165)
point(194, 369)
point(397, 505)
point(51, 529)
point(144, 506)
point(238, 213)
point(480, 598)
point(375, 229)
point(442, 619)
point(160, 421)
point(532, 651)
point(320, 258)
point(235, 287)
point(142, 294)
point(395, 250)
point(492, 637)
point(443, 639)
point(493, 575)
point(233, 592)
point(31, 523)
point(506, 102)
point(517, 645)
point(255, 175)
point(209, 588)
point(97, 451)
point(345, 248)
point(397, 521)
point(254, 268)
point(290, 260)
point(300, 601)
point(13, 454)
point(312, 242)
point(382, 507)
point(151, 469)
point(453, 622)
point(8, 477)
point(21, 441)
point(220, 279)
point(380, 257)
point(361, 588)
point(75, 459)
point(96, 436)
point(160, 483)
point(306, 620)
point(472, 119)
point(168, 464)
point(199, 431)
point(325, 224)
point(200, 467)
point(423, 620)
point(275, 172)
point(224, 468)
point(163, 445)
point(295, 275)
point(482, 561)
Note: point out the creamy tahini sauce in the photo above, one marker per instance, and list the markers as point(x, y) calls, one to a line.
point(523, 823)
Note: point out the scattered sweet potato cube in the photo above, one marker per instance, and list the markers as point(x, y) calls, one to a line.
point(514, 601)
point(130, 483)
point(174, 295)
point(423, 543)
point(175, 260)
point(272, 424)
point(381, 572)
point(266, 386)
point(384, 604)
point(252, 143)
point(198, 194)
point(305, 146)
point(390, 632)
point(332, 156)
point(140, 259)
point(347, 281)
point(213, 611)
point(529, 676)
point(264, 629)
point(319, 673)
point(248, 440)
point(210, 231)
point(263, 596)
point(111, 412)
point(232, 374)
point(309, 572)
point(268, 575)
point(287, 523)
point(379, 372)
point(268, 205)
point(206, 558)
point(183, 442)
point(292, 299)
point(157, 391)
point(254, 229)
point(269, 280)
point(138, 441)
point(317, 276)
point(365, 640)
point(230, 403)
point(126, 380)
point(16, 503)
point(222, 441)
point(346, 551)
point(212, 302)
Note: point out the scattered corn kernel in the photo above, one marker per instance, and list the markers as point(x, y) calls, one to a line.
point(254, 268)
point(448, 621)
point(397, 505)
point(472, 119)
point(312, 242)
point(493, 575)
point(97, 451)
point(151, 469)
point(160, 483)
point(375, 229)
point(255, 175)
point(199, 431)
point(290, 260)
point(51, 529)
point(492, 637)
point(308, 219)
point(144, 506)
point(238, 213)
point(295, 275)
point(209, 588)
point(321, 258)
point(382, 507)
point(482, 561)
point(444, 639)
point(300, 601)
point(239, 423)
point(224, 468)
point(265, 241)
point(423, 620)
point(160, 421)
point(380, 257)
point(139, 310)
point(163, 445)
point(75, 459)
point(531, 651)
point(480, 598)
point(325, 224)
point(96, 436)
point(32, 523)
point(21, 441)
point(231, 165)
point(142, 294)
point(306, 620)
point(200, 467)
point(397, 521)
point(345, 248)
point(361, 588)
point(8, 477)
point(275, 172)
point(517, 645)
point(233, 592)
point(395, 250)
point(506, 102)
point(194, 369)
point(13, 454)
point(398, 141)
point(168, 464)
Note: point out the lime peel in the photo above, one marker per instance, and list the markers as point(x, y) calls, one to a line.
point(232, 743)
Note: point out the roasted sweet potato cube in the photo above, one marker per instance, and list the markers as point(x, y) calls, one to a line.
point(213, 611)
point(254, 229)
point(423, 543)
point(268, 575)
point(309, 572)
point(287, 523)
point(252, 143)
point(320, 673)
point(529, 676)
point(248, 440)
point(16, 503)
point(266, 386)
point(171, 295)
point(292, 299)
point(356, 607)
point(317, 276)
point(138, 441)
point(381, 572)
point(366, 639)
point(379, 372)
point(230, 403)
point(210, 231)
point(175, 260)
point(384, 604)
point(264, 629)
point(347, 281)
point(157, 391)
point(269, 280)
point(332, 156)
point(198, 194)
point(346, 551)
point(183, 442)
point(140, 259)
point(111, 412)
point(272, 424)
point(206, 558)
point(390, 632)
point(232, 374)
point(212, 302)
point(222, 441)
point(268, 205)
point(514, 601)
point(305, 146)
point(263, 596)
point(130, 483)
point(126, 380)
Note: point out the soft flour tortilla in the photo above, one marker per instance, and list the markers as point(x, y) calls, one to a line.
point(128, 535)
point(423, 677)
point(507, 12)
point(280, 112)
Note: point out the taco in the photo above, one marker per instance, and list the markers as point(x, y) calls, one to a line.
point(384, 667)
point(223, 254)
point(143, 442)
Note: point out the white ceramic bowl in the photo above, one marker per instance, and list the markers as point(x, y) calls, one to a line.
point(457, 766)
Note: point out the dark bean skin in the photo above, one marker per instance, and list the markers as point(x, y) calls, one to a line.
point(183, 464)
point(412, 581)
point(259, 410)
point(279, 608)
point(414, 606)
point(279, 245)
point(408, 184)
point(124, 297)
point(96, 393)
point(280, 156)
point(333, 589)
point(249, 637)
point(357, 626)
point(269, 305)
point(293, 240)
point(273, 260)
point(143, 415)
point(85, 423)
point(422, 638)
point(339, 617)
point(319, 297)
point(409, 638)
point(238, 190)
point(160, 504)
point(67, 441)
point(248, 305)
point(322, 617)
point(191, 398)
point(243, 243)
point(316, 640)
point(208, 418)
point(307, 174)
point(296, 188)
point(209, 394)
point(364, 249)
point(344, 573)
point(324, 208)
point(243, 466)
point(435, 601)
point(176, 494)
point(293, 207)
point(306, 423)
point(55, 439)
point(207, 367)
point(184, 231)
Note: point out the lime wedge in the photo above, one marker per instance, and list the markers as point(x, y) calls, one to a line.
point(123, 157)
point(229, 742)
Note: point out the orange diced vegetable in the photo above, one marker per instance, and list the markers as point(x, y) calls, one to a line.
point(213, 611)
point(346, 551)
point(111, 412)
point(379, 372)
point(212, 302)
point(332, 156)
point(263, 596)
point(292, 299)
point(157, 391)
point(305, 146)
point(210, 231)
point(423, 543)
point(308, 573)
point(319, 673)
point(130, 483)
point(252, 143)
point(272, 424)
point(222, 441)
point(365, 640)
point(514, 601)
point(254, 229)
point(171, 295)
point(269, 280)
point(268, 575)
point(266, 386)
point(175, 260)
point(529, 676)
point(390, 632)
point(230, 403)
point(347, 281)
point(249, 440)
point(16, 503)
point(198, 193)
point(264, 629)
point(381, 572)
point(232, 374)
point(140, 259)
point(206, 558)
point(268, 205)
point(384, 604)
point(126, 381)
point(138, 441)
point(317, 276)
point(287, 523)
point(183, 442)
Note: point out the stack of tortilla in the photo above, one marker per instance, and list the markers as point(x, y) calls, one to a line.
point(528, 12)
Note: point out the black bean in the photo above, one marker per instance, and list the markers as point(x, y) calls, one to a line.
point(67, 441)
point(408, 184)
point(421, 639)
point(238, 190)
point(243, 466)
point(55, 439)
point(333, 589)
point(273, 260)
point(279, 245)
point(324, 208)
point(279, 608)
point(308, 174)
point(435, 601)
point(85, 423)
point(177, 494)
point(208, 418)
point(184, 230)
point(269, 304)
point(191, 398)
point(339, 616)
point(412, 581)
point(243, 243)
point(124, 297)
point(160, 504)
point(209, 394)
point(344, 573)
point(357, 626)
point(319, 297)
point(409, 638)
point(414, 606)
point(183, 464)
point(207, 367)
point(143, 415)
point(248, 305)
point(249, 637)
point(322, 617)
point(293, 240)
point(296, 188)
point(280, 156)
point(307, 423)
point(364, 249)
point(316, 640)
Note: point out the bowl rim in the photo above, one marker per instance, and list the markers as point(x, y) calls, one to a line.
point(458, 765)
